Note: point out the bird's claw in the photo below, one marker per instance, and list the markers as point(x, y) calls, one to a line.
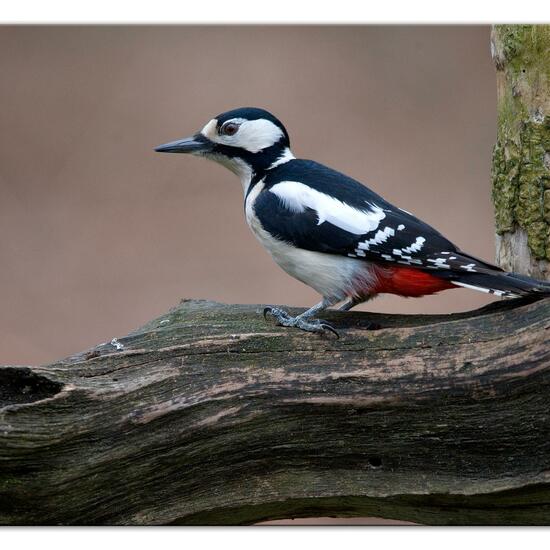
point(284, 319)
point(276, 312)
point(330, 328)
point(318, 326)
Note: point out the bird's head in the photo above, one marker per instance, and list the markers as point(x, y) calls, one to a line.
point(248, 141)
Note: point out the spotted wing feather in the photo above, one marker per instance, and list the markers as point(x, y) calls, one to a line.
point(311, 207)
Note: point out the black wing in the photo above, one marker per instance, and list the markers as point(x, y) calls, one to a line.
point(398, 237)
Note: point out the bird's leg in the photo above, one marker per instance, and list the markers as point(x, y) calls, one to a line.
point(304, 320)
point(352, 302)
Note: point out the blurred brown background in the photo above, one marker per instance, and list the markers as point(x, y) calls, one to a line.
point(99, 234)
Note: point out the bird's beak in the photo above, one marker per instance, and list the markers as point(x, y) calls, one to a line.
point(195, 144)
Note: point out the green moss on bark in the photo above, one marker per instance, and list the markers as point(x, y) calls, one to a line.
point(520, 171)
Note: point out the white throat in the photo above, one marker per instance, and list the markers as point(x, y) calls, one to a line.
point(238, 166)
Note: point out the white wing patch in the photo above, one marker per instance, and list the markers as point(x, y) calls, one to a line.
point(416, 246)
point(380, 237)
point(297, 197)
point(439, 263)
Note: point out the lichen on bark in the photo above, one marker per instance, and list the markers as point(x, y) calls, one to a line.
point(521, 158)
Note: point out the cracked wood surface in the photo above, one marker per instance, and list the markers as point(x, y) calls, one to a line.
point(210, 415)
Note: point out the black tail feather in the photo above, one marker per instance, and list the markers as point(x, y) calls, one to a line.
point(500, 283)
point(466, 270)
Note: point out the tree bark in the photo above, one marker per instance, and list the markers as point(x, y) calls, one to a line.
point(211, 415)
point(521, 158)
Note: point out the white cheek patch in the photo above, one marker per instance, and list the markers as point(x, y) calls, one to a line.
point(209, 131)
point(252, 135)
point(297, 197)
point(255, 135)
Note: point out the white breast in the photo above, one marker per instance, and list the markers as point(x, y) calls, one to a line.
point(334, 277)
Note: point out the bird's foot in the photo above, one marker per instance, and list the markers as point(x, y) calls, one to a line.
point(303, 323)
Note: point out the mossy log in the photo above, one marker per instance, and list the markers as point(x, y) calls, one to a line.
point(521, 158)
point(211, 415)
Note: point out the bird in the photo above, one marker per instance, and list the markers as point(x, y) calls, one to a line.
point(330, 231)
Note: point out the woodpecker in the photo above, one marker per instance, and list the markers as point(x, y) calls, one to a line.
point(331, 232)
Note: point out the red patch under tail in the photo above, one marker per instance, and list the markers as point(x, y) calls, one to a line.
point(409, 282)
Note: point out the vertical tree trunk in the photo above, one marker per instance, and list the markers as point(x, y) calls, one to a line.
point(521, 158)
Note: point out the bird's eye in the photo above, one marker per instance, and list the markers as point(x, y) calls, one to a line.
point(229, 129)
